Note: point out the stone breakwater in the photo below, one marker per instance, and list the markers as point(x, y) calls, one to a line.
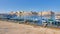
point(15, 28)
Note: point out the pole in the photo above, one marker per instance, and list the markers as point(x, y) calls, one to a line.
point(41, 17)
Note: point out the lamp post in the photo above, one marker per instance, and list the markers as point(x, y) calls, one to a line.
point(41, 17)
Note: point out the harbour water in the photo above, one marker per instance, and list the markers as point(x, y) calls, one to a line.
point(39, 20)
point(31, 19)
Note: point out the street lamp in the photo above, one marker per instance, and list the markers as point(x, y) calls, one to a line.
point(41, 17)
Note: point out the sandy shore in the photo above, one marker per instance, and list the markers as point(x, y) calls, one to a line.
point(15, 28)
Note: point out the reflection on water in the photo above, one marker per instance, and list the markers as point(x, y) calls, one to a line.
point(39, 19)
point(34, 19)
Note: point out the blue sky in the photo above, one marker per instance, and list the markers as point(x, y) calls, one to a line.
point(28, 5)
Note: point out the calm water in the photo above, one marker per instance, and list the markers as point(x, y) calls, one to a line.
point(33, 17)
point(36, 17)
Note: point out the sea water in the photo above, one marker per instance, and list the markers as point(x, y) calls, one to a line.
point(33, 17)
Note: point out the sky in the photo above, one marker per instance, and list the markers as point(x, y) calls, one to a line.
point(29, 5)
